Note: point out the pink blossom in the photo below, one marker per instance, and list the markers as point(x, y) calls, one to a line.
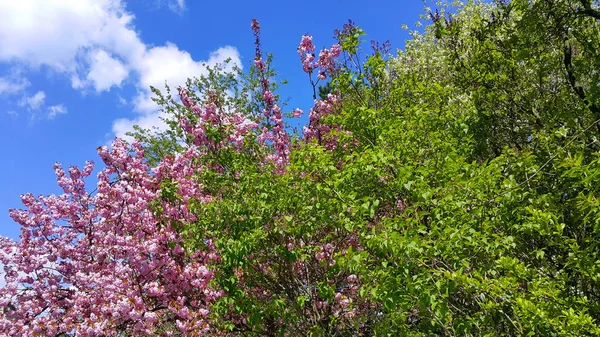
point(325, 134)
point(268, 97)
point(90, 264)
point(306, 45)
point(260, 65)
point(327, 60)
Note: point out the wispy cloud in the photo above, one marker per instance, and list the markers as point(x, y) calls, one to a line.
point(121, 101)
point(12, 85)
point(55, 110)
point(181, 4)
point(177, 6)
point(36, 105)
point(33, 102)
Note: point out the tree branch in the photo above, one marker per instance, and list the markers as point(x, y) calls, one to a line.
point(588, 10)
point(567, 59)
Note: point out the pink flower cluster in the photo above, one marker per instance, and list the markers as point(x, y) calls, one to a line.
point(326, 61)
point(181, 170)
point(97, 265)
point(234, 125)
point(326, 66)
point(306, 51)
point(273, 132)
point(260, 64)
point(325, 134)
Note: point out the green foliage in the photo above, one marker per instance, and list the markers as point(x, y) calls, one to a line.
point(467, 171)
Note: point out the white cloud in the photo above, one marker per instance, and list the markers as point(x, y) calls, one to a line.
point(37, 102)
point(94, 43)
point(12, 85)
point(52, 33)
point(148, 121)
point(56, 110)
point(174, 66)
point(12, 113)
point(176, 6)
point(33, 102)
point(59, 34)
point(121, 101)
point(105, 71)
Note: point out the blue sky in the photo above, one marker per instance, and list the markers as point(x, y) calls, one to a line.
point(75, 73)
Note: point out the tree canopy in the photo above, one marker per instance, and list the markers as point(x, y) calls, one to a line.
point(447, 189)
